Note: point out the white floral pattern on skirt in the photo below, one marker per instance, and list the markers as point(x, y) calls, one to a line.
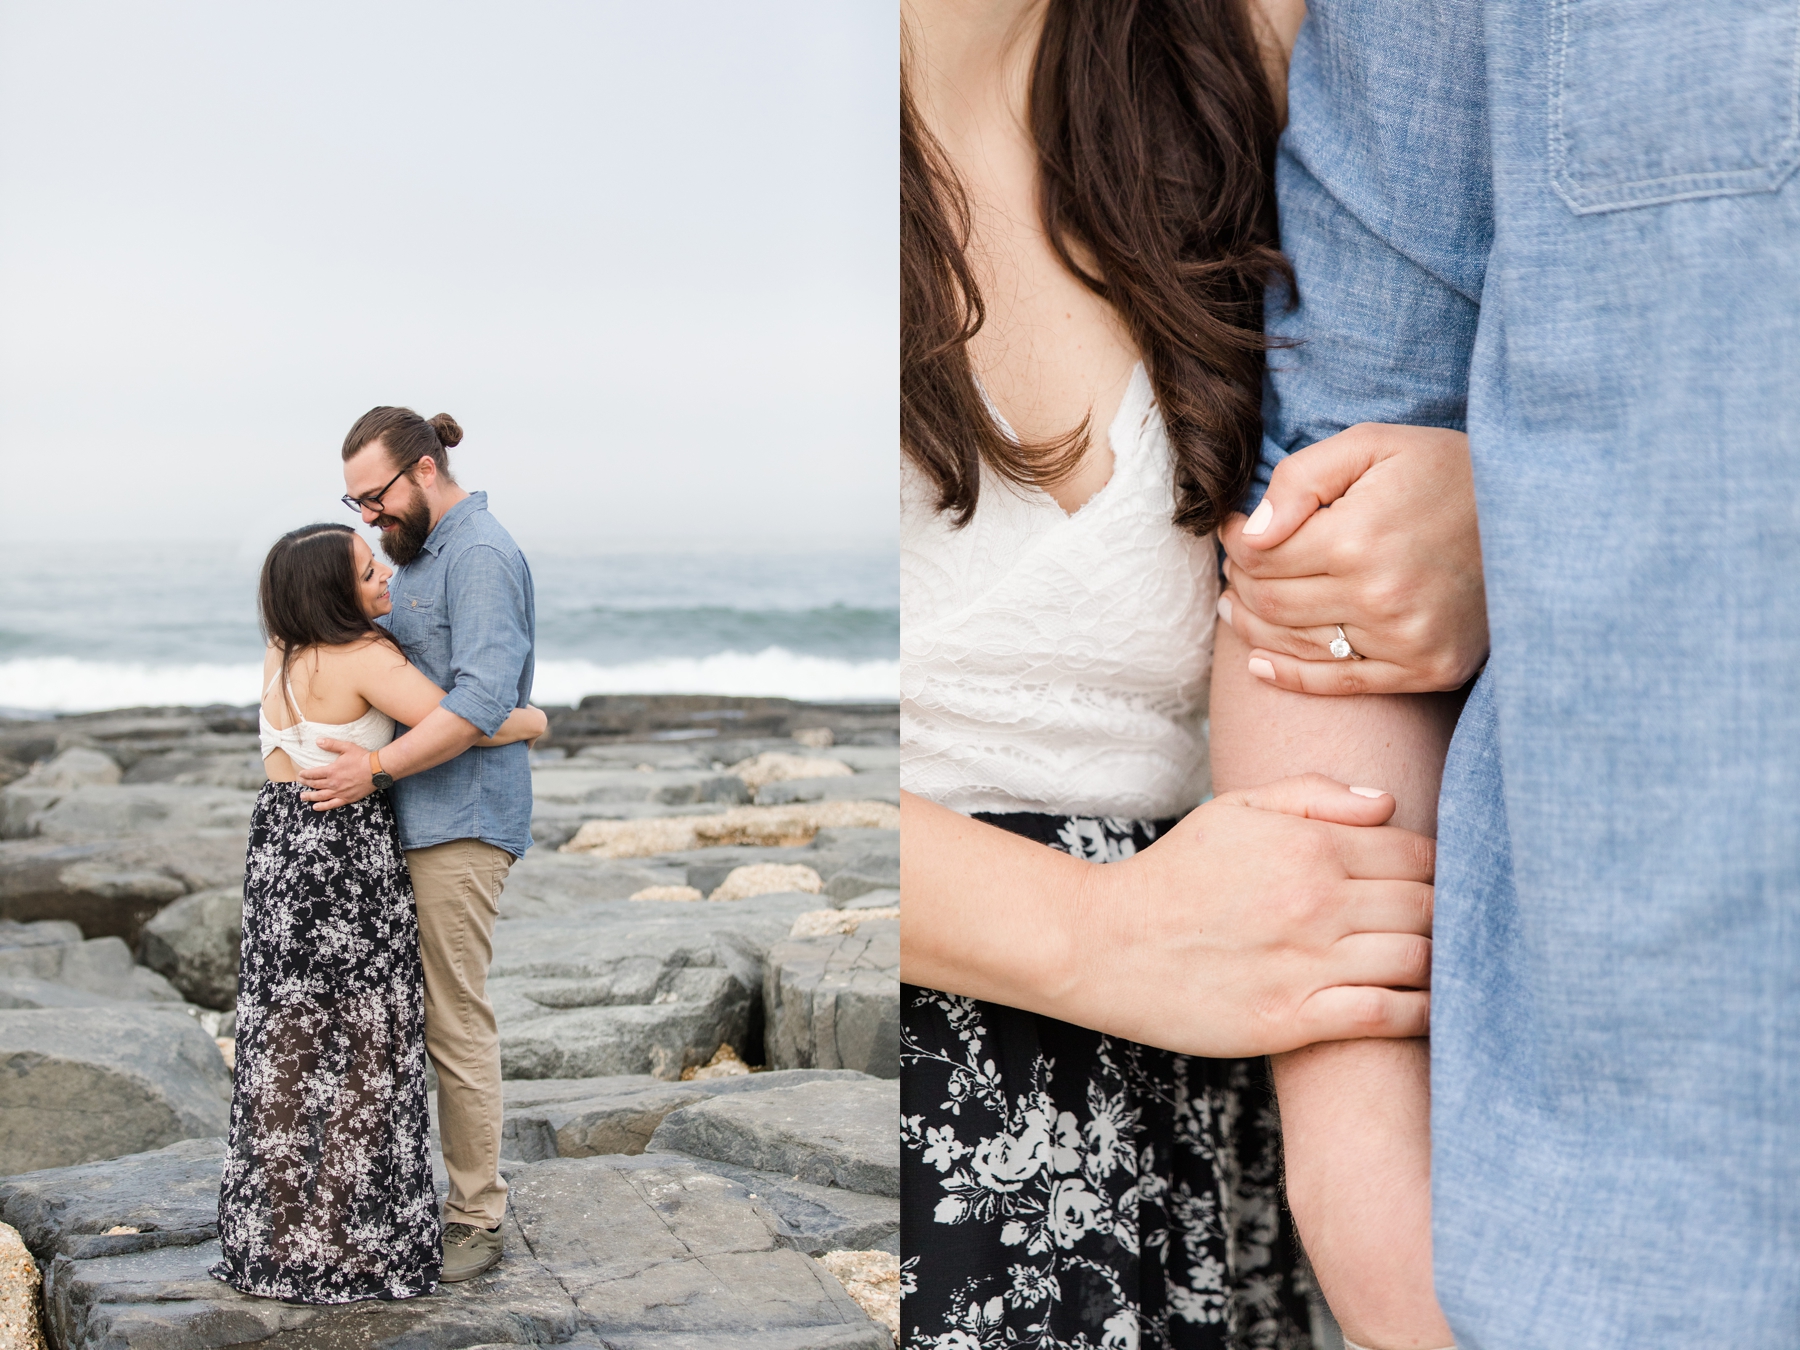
point(327, 1194)
point(1065, 1190)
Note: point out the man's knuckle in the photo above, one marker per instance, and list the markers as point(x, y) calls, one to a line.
point(1415, 955)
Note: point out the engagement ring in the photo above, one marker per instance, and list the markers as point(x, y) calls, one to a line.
point(1341, 648)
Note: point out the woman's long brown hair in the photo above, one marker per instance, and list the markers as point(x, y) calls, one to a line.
point(307, 595)
point(1155, 132)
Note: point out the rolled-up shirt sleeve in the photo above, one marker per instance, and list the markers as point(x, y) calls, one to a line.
point(489, 639)
point(1386, 214)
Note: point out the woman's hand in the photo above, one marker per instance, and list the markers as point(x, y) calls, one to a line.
point(1396, 561)
point(1265, 920)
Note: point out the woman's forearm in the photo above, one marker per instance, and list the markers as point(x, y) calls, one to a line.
point(986, 913)
point(521, 724)
point(1355, 1114)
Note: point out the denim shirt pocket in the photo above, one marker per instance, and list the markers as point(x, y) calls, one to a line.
point(1656, 101)
point(411, 622)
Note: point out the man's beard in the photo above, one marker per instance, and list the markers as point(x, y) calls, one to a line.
point(402, 536)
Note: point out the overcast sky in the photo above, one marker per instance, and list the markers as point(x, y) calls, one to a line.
point(645, 253)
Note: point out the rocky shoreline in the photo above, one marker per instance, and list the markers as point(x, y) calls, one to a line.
point(696, 975)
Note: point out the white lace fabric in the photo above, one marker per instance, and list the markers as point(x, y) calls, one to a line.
point(1055, 662)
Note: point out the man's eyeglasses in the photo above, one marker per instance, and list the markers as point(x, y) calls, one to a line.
point(372, 502)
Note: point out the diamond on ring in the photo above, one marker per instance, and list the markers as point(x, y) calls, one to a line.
point(1340, 648)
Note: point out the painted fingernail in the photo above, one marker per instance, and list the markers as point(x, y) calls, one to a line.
point(1259, 518)
point(1224, 609)
point(1263, 670)
point(1368, 792)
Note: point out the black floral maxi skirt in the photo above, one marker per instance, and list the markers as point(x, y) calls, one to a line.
point(327, 1195)
point(1065, 1190)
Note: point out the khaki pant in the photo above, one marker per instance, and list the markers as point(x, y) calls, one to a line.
point(457, 887)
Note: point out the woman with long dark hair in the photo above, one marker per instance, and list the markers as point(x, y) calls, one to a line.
point(327, 1194)
point(1094, 970)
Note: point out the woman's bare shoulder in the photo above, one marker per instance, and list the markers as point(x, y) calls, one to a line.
point(371, 653)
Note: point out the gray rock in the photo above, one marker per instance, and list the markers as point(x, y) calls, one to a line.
point(882, 899)
point(866, 758)
point(661, 1252)
point(546, 884)
point(112, 887)
point(834, 1002)
point(705, 869)
point(582, 781)
point(20, 805)
point(879, 786)
point(196, 943)
point(85, 1083)
point(101, 966)
point(674, 1019)
point(170, 1196)
point(77, 766)
point(240, 767)
point(25, 991)
point(618, 1118)
point(151, 1287)
point(130, 736)
point(817, 1219)
point(78, 813)
point(843, 1134)
point(658, 1252)
point(664, 755)
point(859, 859)
point(634, 987)
point(877, 869)
point(583, 1117)
point(42, 933)
point(164, 1298)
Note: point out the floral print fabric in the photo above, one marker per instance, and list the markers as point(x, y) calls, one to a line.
point(327, 1194)
point(1065, 1190)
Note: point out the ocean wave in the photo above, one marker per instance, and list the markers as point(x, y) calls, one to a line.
point(70, 684)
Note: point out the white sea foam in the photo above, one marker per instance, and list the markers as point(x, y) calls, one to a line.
point(772, 672)
point(67, 684)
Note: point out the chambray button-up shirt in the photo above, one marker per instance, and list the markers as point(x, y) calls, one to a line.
point(465, 614)
point(1576, 225)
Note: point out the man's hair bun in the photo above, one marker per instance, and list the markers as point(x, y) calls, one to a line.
point(447, 430)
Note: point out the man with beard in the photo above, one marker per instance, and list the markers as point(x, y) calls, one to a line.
point(463, 611)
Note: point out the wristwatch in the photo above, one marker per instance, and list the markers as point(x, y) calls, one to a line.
point(382, 778)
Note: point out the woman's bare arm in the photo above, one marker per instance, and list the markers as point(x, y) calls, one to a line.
point(1354, 1114)
point(1264, 921)
point(392, 684)
point(521, 724)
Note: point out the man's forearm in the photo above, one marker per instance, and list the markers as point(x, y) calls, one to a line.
point(440, 737)
point(1354, 1114)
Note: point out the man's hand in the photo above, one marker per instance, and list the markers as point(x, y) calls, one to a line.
point(348, 778)
point(1396, 561)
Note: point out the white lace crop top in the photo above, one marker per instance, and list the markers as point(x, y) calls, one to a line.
point(1055, 662)
point(371, 731)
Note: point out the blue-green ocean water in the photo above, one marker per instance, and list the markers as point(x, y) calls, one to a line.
point(117, 625)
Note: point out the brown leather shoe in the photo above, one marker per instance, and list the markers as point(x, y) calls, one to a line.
point(468, 1252)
